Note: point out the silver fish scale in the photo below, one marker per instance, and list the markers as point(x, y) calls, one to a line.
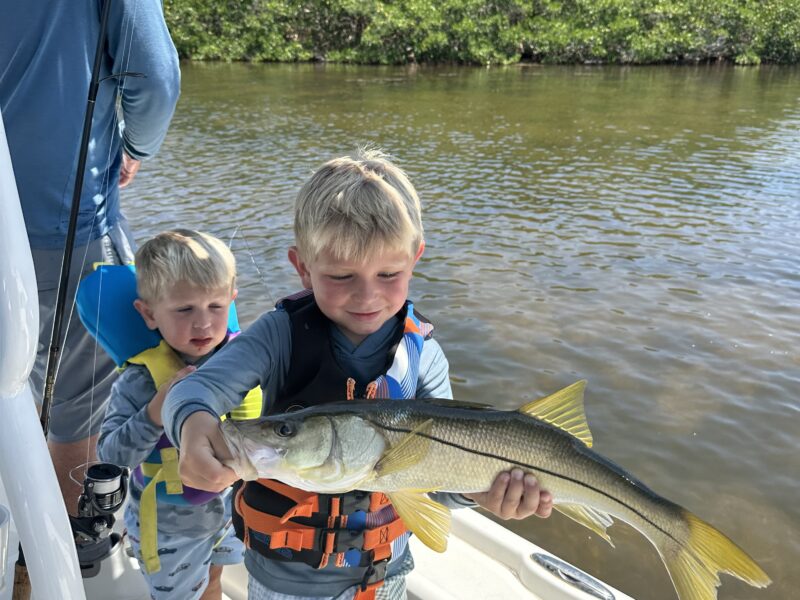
point(464, 450)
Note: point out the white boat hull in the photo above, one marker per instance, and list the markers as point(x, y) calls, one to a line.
point(26, 471)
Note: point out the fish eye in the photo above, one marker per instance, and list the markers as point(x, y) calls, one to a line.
point(285, 429)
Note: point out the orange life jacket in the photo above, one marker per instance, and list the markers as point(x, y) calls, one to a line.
point(354, 529)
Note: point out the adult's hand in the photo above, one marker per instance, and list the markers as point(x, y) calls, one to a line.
point(202, 449)
point(515, 495)
point(128, 169)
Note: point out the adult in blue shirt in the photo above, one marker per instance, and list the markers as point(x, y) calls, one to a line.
point(47, 51)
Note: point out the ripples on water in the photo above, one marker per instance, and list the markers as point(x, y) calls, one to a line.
point(634, 227)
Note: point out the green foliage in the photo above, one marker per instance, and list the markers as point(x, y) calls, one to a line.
point(746, 32)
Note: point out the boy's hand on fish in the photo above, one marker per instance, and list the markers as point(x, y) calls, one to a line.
point(154, 406)
point(202, 449)
point(515, 495)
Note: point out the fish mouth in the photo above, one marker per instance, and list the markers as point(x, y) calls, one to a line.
point(262, 459)
point(249, 458)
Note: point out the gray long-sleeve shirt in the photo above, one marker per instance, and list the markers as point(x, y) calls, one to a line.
point(127, 437)
point(260, 356)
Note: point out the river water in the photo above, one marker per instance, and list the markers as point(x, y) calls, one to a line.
point(635, 227)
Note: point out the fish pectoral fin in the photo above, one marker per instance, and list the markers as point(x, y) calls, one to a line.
point(407, 452)
point(425, 518)
point(563, 409)
point(591, 518)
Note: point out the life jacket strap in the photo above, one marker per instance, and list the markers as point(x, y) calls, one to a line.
point(161, 361)
point(324, 543)
point(306, 503)
point(169, 466)
point(147, 522)
point(378, 501)
point(310, 503)
point(373, 579)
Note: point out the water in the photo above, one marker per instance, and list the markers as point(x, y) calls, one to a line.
point(636, 227)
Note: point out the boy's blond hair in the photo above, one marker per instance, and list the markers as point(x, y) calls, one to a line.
point(355, 207)
point(183, 255)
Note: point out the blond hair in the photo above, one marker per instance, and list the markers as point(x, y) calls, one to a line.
point(183, 255)
point(357, 206)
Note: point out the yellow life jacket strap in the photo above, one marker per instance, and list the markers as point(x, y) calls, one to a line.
point(147, 525)
point(167, 472)
point(161, 361)
point(251, 406)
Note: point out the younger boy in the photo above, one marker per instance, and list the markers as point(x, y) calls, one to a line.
point(358, 233)
point(185, 282)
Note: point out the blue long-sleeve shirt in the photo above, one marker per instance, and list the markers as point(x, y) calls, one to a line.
point(47, 51)
point(260, 356)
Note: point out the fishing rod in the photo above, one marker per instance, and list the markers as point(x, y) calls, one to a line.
point(66, 261)
point(69, 243)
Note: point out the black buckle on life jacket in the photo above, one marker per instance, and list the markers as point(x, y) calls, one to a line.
point(354, 501)
point(376, 572)
point(343, 540)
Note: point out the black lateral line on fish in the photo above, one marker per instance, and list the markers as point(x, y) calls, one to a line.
point(525, 465)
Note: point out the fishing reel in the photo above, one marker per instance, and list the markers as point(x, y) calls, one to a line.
point(104, 490)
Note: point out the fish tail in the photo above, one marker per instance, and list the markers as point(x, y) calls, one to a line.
point(694, 566)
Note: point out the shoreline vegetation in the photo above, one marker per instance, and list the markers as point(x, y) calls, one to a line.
point(482, 32)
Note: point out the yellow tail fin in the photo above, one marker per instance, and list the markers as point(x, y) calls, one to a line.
point(694, 567)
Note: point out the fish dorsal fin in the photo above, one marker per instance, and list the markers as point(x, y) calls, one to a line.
point(563, 409)
point(411, 449)
point(425, 518)
point(596, 520)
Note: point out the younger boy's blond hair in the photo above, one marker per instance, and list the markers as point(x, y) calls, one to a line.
point(183, 255)
point(355, 207)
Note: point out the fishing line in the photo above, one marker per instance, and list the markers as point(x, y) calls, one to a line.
point(128, 26)
point(261, 277)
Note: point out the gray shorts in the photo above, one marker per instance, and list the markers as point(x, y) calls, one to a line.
point(85, 372)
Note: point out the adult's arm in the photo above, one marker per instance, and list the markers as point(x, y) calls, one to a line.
point(139, 42)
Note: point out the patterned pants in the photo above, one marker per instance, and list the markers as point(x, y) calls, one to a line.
point(393, 588)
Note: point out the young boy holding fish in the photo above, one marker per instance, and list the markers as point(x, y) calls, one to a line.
point(182, 537)
point(351, 333)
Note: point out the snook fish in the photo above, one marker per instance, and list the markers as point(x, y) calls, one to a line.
point(408, 448)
